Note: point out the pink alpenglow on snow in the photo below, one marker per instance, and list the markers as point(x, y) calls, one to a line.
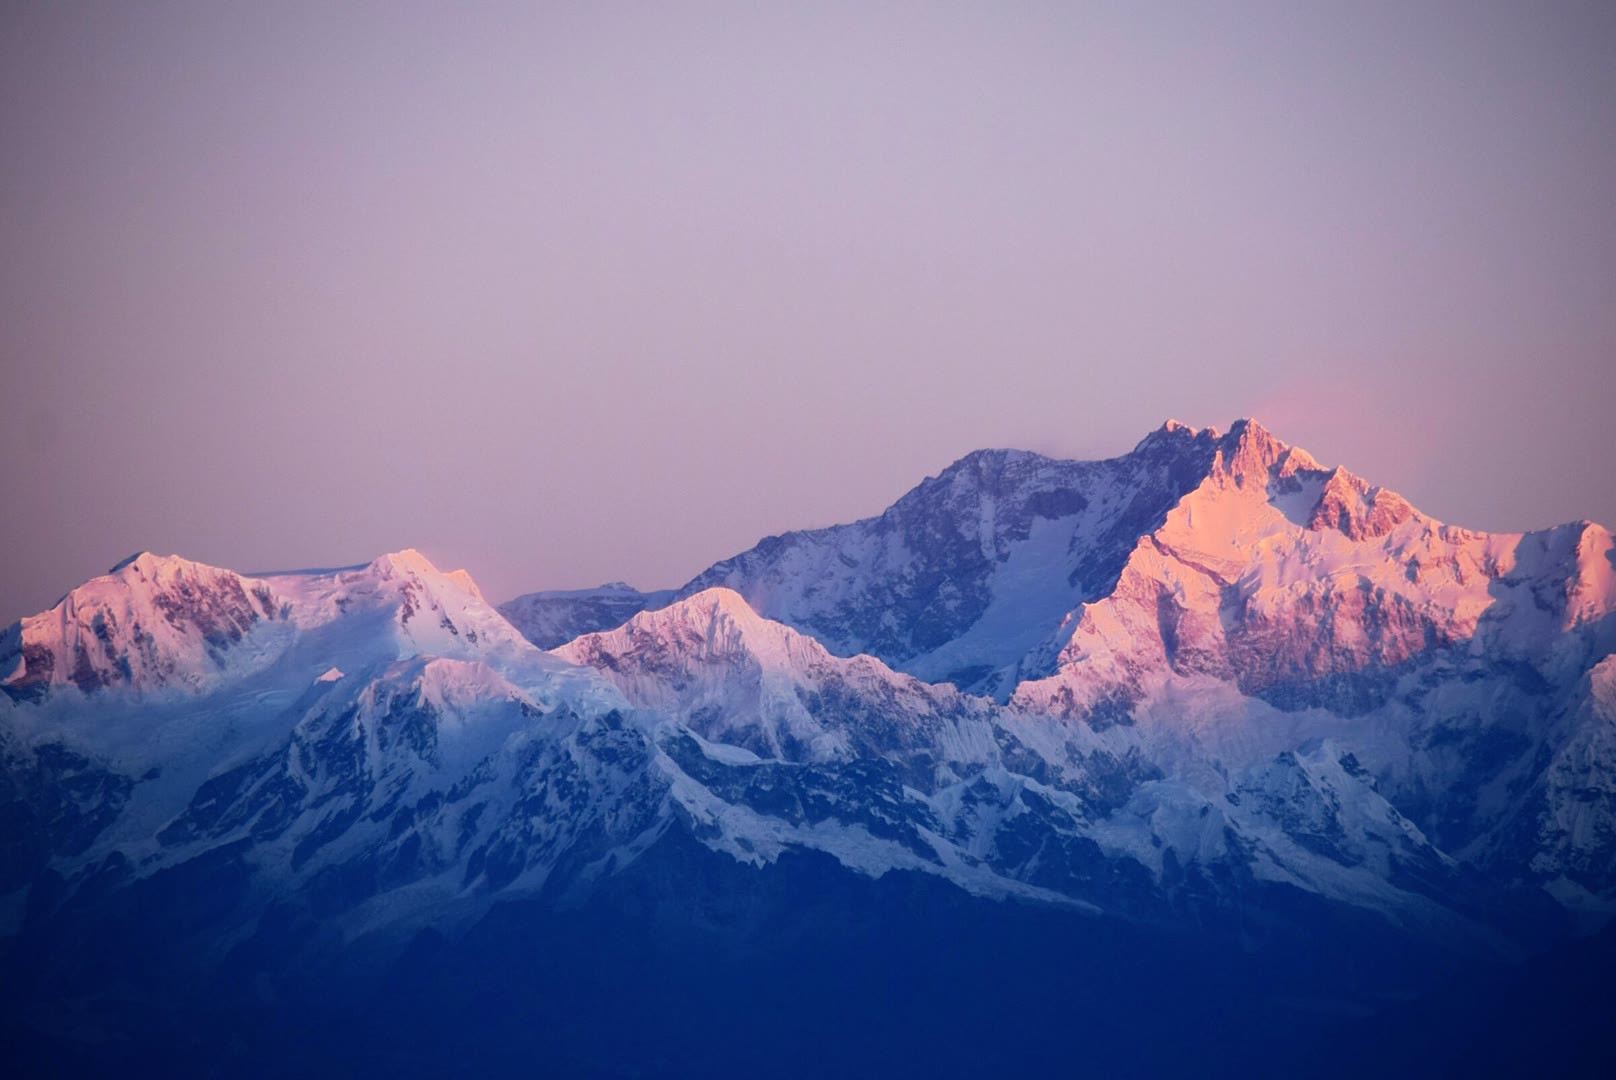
point(581, 295)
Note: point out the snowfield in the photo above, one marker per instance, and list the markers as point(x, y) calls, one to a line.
point(1143, 687)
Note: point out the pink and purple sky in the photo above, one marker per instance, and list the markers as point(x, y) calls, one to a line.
point(570, 293)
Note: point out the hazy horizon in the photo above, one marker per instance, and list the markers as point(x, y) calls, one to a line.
point(569, 295)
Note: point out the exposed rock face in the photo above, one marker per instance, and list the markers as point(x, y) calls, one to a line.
point(1361, 512)
point(738, 679)
point(151, 621)
point(966, 578)
point(1240, 561)
point(1210, 676)
point(549, 619)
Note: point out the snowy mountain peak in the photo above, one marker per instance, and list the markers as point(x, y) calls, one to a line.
point(1250, 459)
point(1231, 554)
point(1249, 428)
point(406, 561)
point(412, 563)
point(148, 565)
point(1349, 505)
point(154, 621)
point(554, 617)
point(163, 623)
point(1176, 434)
point(125, 562)
point(971, 576)
point(714, 624)
point(720, 603)
point(1208, 680)
point(716, 612)
point(734, 677)
point(989, 461)
point(447, 685)
point(1248, 452)
point(1296, 460)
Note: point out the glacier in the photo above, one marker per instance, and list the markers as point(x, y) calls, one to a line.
point(1210, 688)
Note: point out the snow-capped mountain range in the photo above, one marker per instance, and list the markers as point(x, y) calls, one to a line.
point(1159, 687)
point(1213, 601)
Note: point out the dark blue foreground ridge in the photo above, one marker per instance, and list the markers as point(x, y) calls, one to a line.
point(1204, 758)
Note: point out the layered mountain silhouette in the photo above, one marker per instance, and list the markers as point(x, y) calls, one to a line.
point(1209, 699)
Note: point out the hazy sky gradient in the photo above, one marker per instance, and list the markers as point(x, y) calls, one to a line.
point(568, 293)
